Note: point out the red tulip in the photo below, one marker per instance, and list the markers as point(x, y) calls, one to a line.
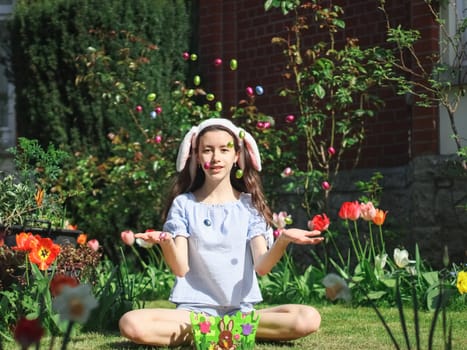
point(319, 222)
point(350, 211)
point(59, 281)
point(28, 332)
point(44, 253)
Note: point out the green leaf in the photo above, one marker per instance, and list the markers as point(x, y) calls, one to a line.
point(389, 282)
point(339, 23)
point(431, 277)
point(375, 295)
point(319, 91)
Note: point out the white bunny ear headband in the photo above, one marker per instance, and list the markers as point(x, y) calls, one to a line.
point(245, 140)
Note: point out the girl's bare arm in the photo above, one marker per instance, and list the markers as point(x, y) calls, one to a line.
point(265, 259)
point(175, 250)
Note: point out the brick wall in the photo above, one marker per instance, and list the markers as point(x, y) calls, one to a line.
point(243, 30)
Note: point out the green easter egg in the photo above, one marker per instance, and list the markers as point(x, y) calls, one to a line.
point(197, 80)
point(210, 97)
point(219, 106)
point(151, 97)
point(233, 64)
point(193, 57)
point(239, 173)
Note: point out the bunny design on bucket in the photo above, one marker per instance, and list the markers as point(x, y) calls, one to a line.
point(225, 336)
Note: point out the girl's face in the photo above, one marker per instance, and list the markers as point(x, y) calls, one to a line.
point(216, 154)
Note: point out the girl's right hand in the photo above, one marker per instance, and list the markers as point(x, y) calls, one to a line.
point(153, 237)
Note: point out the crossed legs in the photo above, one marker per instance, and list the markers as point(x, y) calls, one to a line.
point(169, 327)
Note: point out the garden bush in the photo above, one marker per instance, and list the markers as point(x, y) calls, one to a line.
point(140, 43)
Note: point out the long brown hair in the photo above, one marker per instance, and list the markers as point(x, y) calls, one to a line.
point(250, 182)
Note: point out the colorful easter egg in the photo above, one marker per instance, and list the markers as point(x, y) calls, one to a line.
point(233, 64)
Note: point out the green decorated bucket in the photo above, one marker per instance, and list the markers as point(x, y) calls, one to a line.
point(229, 332)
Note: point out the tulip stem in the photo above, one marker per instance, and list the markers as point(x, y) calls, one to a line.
point(353, 243)
point(383, 248)
point(371, 240)
point(66, 337)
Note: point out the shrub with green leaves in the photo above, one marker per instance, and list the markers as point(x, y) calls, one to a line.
point(137, 46)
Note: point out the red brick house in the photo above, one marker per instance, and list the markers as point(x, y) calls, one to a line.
point(398, 139)
point(243, 30)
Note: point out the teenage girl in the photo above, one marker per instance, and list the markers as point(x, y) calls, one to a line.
point(217, 236)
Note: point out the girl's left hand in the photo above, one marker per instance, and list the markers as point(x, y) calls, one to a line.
point(299, 236)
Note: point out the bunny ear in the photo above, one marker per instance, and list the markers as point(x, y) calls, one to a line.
point(230, 325)
point(184, 149)
point(249, 145)
point(252, 149)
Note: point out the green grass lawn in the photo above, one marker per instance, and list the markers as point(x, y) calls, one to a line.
point(342, 327)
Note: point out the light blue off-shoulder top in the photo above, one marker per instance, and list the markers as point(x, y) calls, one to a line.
point(220, 258)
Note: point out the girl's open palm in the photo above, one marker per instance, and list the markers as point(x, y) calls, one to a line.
point(152, 237)
point(299, 236)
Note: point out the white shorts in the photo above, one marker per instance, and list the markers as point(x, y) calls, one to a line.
point(216, 310)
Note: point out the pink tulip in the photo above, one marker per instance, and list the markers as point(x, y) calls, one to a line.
point(287, 172)
point(93, 244)
point(367, 211)
point(128, 237)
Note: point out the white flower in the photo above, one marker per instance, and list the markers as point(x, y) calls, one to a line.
point(281, 220)
point(143, 244)
point(401, 258)
point(380, 261)
point(75, 303)
point(336, 287)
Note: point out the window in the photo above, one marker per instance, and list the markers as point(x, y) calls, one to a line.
point(7, 117)
point(454, 14)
